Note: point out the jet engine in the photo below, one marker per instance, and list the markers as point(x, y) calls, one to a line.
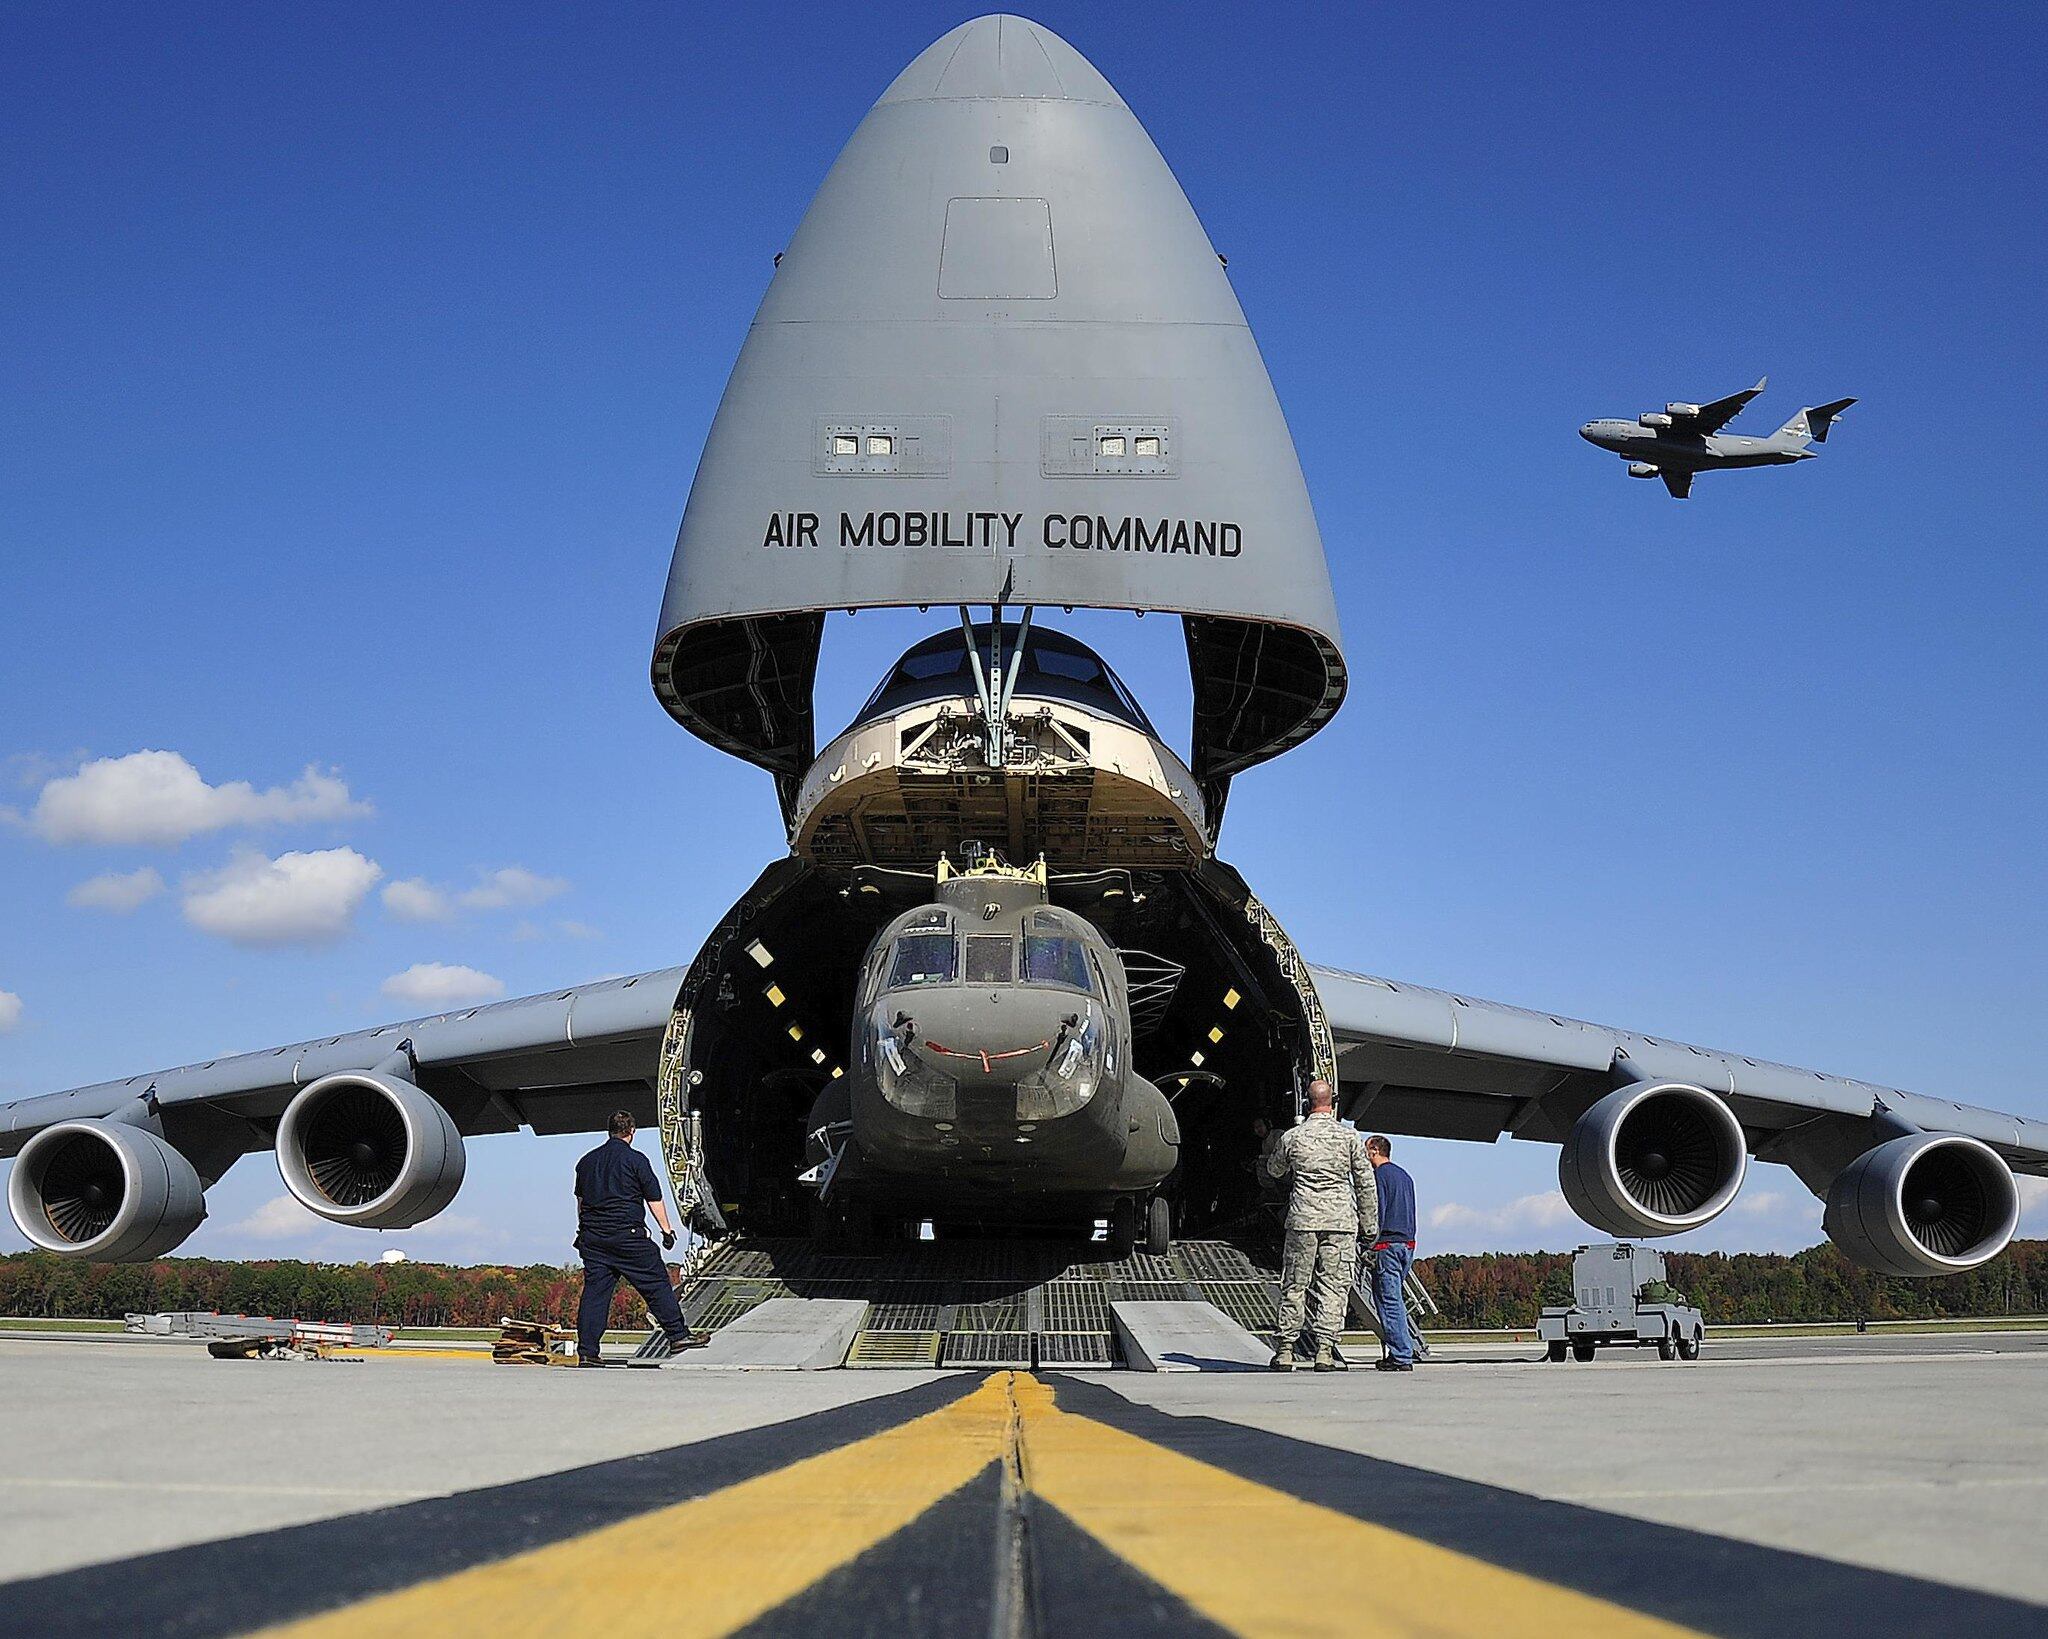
point(1681, 409)
point(1641, 469)
point(1923, 1204)
point(101, 1189)
point(1653, 419)
point(1653, 1159)
point(366, 1148)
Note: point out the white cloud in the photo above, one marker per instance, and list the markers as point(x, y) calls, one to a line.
point(511, 886)
point(2033, 1198)
point(283, 1219)
point(415, 899)
point(294, 899)
point(117, 891)
point(1545, 1210)
point(10, 1011)
point(578, 930)
point(160, 799)
point(442, 984)
point(281, 1226)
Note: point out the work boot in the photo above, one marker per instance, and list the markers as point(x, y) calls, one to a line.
point(689, 1340)
point(1284, 1359)
point(1390, 1364)
point(586, 1360)
point(1329, 1360)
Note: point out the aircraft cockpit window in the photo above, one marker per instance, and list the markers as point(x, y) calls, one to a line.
point(924, 959)
point(933, 918)
point(990, 959)
point(1055, 961)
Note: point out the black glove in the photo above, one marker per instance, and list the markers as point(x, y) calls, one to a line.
point(668, 1240)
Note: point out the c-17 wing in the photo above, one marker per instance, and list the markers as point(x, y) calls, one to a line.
point(1707, 419)
point(559, 1062)
point(1649, 1144)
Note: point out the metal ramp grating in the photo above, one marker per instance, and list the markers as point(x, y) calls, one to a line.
point(982, 1304)
point(1076, 1349)
point(987, 1349)
point(904, 1317)
point(1250, 1304)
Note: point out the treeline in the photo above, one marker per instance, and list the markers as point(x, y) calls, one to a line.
point(393, 1294)
point(1496, 1289)
point(1747, 1288)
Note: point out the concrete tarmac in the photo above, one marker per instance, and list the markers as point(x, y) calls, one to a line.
point(1869, 1484)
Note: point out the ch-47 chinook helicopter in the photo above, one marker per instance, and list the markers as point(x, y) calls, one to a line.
point(1000, 365)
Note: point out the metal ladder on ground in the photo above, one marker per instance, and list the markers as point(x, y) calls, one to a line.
point(1365, 1303)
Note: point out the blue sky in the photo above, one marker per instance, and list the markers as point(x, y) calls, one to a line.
point(359, 360)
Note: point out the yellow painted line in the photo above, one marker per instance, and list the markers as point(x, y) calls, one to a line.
point(712, 1564)
point(1263, 1563)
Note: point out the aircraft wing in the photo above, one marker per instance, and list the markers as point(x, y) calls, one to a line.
point(560, 1062)
point(1708, 419)
point(1678, 481)
point(1436, 1065)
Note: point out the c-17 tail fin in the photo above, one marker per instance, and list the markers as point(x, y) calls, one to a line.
point(1814, 422)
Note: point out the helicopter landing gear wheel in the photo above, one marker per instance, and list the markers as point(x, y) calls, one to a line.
point(1158, 1226)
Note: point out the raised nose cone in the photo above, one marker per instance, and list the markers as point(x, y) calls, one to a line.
point(1000, 56)
point(999, 361)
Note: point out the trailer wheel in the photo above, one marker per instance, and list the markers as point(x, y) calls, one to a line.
point(1554, 1351)
point(1667, 1348)
point(1689, 1347)
point(1582, 1351)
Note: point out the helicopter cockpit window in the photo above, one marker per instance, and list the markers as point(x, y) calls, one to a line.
point(990, 959)
point(924, 959)
point(1055, 960)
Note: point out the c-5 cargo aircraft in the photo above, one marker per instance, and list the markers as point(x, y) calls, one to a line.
point(1684, 439)
point(1001, 980)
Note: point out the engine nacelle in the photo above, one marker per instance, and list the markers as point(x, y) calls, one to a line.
point(1641, 469)
point(1681, 409)
point(101, 1189)
point(1653, 1159)
point(1653, 419)
point(1924, 1204)
point(369, 1149)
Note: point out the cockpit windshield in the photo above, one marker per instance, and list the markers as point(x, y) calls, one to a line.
point(924, 959)
point(1055, 959)
point(1054, 667)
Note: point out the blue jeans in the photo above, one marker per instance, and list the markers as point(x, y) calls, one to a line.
point(1392, 1302)
point(605, 1259)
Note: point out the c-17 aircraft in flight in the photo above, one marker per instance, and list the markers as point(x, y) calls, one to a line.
point(1001, 980)
point(1682, 440)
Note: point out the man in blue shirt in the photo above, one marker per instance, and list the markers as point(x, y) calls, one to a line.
point(615, 1189)
point(1393, 1253)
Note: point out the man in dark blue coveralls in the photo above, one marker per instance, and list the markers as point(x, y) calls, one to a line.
point(615, 1189)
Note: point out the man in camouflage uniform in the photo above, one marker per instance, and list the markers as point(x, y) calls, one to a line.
point(1334, 1201)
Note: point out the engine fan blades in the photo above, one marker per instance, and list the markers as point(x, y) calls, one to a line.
point(1668, 1157)
point(354, 1146)
point(82, 1188)
point(1947, 1208)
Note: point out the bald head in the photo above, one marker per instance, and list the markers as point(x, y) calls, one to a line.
point(1321, 1096)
